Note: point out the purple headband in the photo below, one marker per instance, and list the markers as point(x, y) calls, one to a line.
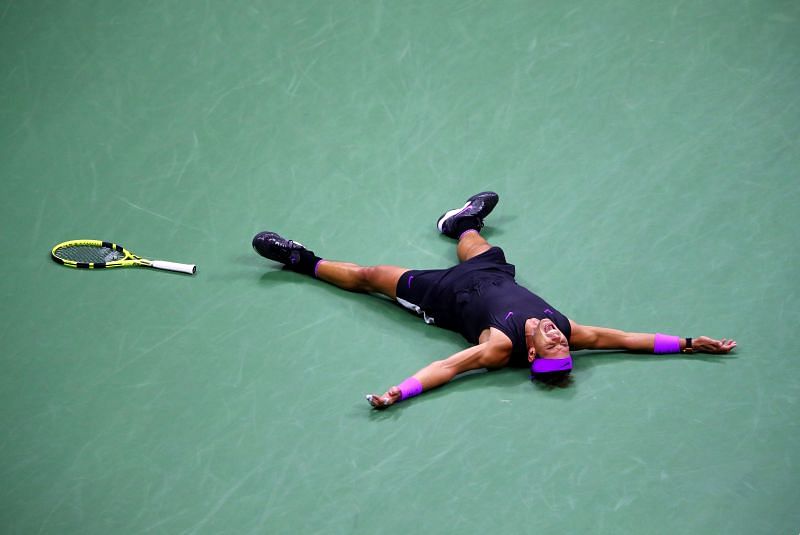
point(543, 365)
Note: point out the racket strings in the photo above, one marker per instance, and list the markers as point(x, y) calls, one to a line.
point(89, 254)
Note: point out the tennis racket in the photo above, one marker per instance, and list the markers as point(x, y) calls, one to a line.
point(96, 254)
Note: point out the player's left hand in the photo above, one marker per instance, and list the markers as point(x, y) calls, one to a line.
point(390, 397)
point(704, 344)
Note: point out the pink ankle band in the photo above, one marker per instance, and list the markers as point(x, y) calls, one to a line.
point(409, 388)
point(316, 267)
point(666, 344)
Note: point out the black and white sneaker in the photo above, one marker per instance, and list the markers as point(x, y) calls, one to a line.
point(271, 245)
point(477, 207)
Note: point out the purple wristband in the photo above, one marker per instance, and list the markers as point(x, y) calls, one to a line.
point(666, 344)
point(409, 388)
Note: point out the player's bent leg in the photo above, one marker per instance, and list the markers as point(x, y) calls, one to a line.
point(471, 244)
point(353, 277)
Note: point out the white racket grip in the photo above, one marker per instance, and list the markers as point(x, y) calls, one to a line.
point(174, 266)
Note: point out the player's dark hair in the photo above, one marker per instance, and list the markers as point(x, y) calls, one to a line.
point(551, 380)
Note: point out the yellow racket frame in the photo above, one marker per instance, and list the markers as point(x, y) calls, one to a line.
point(128, 260)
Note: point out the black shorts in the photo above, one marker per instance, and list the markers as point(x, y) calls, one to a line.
point(434, 293)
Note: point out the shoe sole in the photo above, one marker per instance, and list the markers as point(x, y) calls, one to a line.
point(485, 210)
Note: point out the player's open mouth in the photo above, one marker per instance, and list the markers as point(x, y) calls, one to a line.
point(548, 327)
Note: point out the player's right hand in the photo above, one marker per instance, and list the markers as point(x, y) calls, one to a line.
point(704, 344)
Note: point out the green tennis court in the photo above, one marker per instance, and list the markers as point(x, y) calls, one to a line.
point(647, 156)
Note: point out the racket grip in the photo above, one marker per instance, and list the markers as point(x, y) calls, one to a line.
point(174, 266)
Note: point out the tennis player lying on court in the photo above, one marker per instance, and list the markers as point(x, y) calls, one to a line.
point(479, 298)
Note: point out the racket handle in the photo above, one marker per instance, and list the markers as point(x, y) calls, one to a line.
point(174, 266)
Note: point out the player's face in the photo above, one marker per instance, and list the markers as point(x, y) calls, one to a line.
point(548, 341)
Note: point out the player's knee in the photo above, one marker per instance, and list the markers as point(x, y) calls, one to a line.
point(366, 278)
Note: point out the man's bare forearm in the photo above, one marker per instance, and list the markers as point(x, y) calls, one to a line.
point(586, 337)
point(605, 338)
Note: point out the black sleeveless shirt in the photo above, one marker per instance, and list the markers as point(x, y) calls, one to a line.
point(477, 294)
point(505, 305)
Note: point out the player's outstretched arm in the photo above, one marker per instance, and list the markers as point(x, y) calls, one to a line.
point(587, 337)
point(489, 354)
